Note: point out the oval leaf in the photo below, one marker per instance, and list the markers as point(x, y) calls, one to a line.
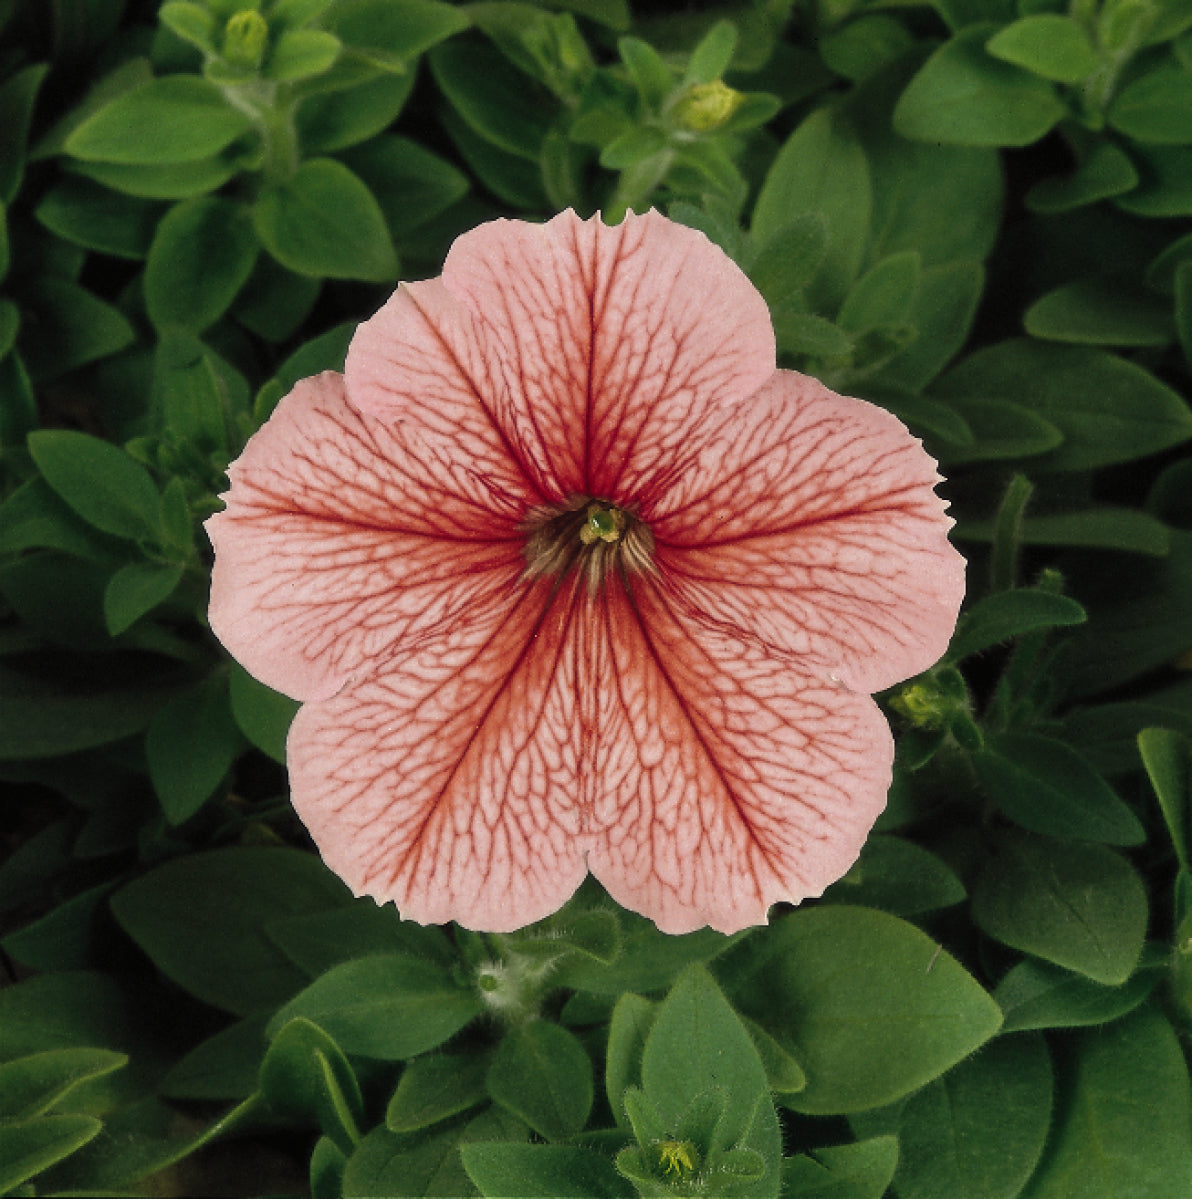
point(1047, 787)
point(177, 119)
point(543, 1075)
point(963, 96)
point(1079, 906)
point(325, 222)
point(870, 1006)
point(201, 918)
point(388, 1006)
point(202, 255)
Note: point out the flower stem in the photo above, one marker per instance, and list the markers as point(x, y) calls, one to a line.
point(1007, 534)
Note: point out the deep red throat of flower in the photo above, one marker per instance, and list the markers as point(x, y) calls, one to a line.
point(571, 578)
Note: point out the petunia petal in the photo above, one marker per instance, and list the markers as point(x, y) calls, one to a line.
point(608, 345)
point(730, 779)
point(342, 534)
point(447, 781)
point(809, 520)
point(424, 360)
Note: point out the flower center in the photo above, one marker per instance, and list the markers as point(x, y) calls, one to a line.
point(588, 535)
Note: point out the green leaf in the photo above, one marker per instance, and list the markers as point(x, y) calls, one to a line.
point(1138, 620)
point(871, 1007)
point(50, 711)
point(1047, 787)
point(192, 398)
point(899, 877)
point(1096, 312)
point(648, 961)
point(978, 1131)
point(436, 1087)
point(64, 326)
point(942, 310)
point(223, 1067)
point(388, 1006)
point(325, 221)
point(494, 99)
point(1107, 171)
point(66, 938)
point(862, 1170)
point(865, 45)
point(543, 1075)
point(137, 589)
point(392, 33)
point(97, 218)
point(190, 21)
point(805, 333)
point(963, 96)
point(943, 201)
point(32, 1085)
point(1080, 906)
point(72, 1009)
point(512, 178)
point(821, 170)
point(697, 1044)
point(884, 295)
point(328, 1163)
point(788, 259)
point(1036, 994)
point(202, 255)
point(106, 487)
point(191, 746)
point(651, 76)
point(1109, 410)
point(161, 181)
point(1008, 614)
point(176, 119)
point(1123, 1130)
point(411, 184)
point(1129, 530)
point(712, 54)
point(1000, 429)
point(18, 94)
point(305, 1076)
point(301, 54)
point(29, 1146)
point(631, 1021)
point(262, 714)
point(1167, 757)
point(543, 1172)
point(201, 919)
point(1053, 46)
point(427, 1162)
point(330, 121)
point(1155, 107)
point(274, 302)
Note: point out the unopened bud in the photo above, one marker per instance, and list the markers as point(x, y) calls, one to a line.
point(704, 107)
point(245, 37)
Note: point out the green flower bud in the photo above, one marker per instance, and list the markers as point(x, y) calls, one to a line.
point(246, 36)
point(704, 107)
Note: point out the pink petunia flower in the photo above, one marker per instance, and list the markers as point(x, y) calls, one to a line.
point(571, 578)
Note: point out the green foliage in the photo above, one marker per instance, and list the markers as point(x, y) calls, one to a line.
point(970, 212)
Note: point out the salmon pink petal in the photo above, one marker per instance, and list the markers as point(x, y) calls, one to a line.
point(809, 520)
point(603, 347)
point(731, 778)
point(448, 780)
point(343, 535)
point(423, 360)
